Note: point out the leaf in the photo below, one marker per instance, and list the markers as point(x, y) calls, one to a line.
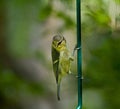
point(44, 13)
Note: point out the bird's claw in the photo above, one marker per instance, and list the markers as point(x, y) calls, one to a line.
point(76, 48)
point(80, 77)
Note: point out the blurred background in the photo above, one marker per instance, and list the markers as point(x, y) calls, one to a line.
point(26, 77)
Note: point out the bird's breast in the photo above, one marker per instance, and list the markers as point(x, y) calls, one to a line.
point(64, 62)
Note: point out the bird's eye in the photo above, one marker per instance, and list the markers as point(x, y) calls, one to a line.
point(59, 42)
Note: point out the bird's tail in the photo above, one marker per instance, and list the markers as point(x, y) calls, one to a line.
point(58, 91)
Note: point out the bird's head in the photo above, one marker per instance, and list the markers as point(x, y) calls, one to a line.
point(59, 42)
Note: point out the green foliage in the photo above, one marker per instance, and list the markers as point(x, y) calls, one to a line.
point(14, 88)
point(103, 70)
point(69, 23)
point(68, 3)
point(97, 12)
point(21, 18)
point(99, 16)
point(45, 12)
point(12, 85)
point(103, 58)
point(117, 1)
point(25, 19)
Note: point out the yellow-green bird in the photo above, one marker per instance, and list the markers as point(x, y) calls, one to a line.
point(61, 59)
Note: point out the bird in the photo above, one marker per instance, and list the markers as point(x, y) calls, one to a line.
point(61, 60)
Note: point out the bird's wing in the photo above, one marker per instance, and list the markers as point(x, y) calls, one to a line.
point(55, 60)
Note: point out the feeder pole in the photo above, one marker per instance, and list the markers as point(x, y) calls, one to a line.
point(79, 54)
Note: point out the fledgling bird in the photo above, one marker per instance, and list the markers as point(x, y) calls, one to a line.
point(61, 59)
